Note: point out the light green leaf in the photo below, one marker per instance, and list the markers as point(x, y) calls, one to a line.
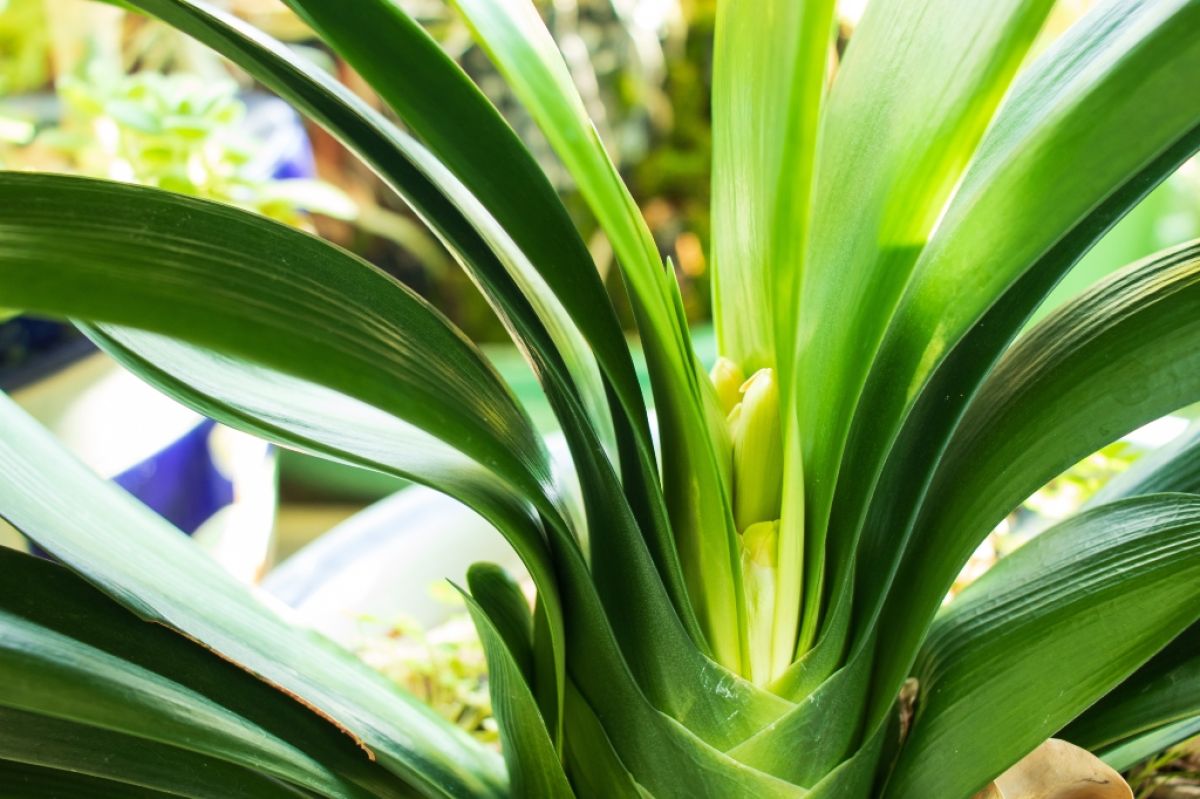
point(1129, 753)
point(1043, 634)
point(1089, 129)
point(1173, 467)
point(919, 84)
point(1119, 356)
point(769, 66)
point(769, 75)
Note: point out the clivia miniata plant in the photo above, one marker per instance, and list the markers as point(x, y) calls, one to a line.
point(744, 601)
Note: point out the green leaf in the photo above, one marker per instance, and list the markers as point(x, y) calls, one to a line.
point(49, 674)
point(22, 781)
point(321, 421)
point(245, 286)
point(523, 50)
point(769, 65)
point(500, 597)
point(436, 99)
point(918, 86)
point(594, 767)
point(1165, 691)
point(1129, 753)
point(1043, 634)
point(44, 741)
point(516, 39)
point(47, 597)
point(150, 568)
point(533, 765)
point(1117, 357)
point(1088, 130)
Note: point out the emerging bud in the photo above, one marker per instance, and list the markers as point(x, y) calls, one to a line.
point(727, 378)
point(757, 435)
point(760, 555)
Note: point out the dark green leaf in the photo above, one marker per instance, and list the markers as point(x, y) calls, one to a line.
point(507, 609)
point(533, 764)
point(917, 88)
point(54, 744)
point(1045, 633)
point(1165, 691)
point(162, 576)
point(1117, 357)
point(48, 597)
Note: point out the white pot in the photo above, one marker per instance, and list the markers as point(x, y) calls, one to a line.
point(384, 563)
point(220, 482)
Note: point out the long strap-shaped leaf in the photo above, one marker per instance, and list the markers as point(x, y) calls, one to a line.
point(1128, 753)
point(1043, 634)
point(533, 764)
point(46, 597)
point(442, 106)
point(64, 746)
point(23, 781)
point(918, 86)
point(1091, 127)
point(1163, 692)
point(249, 287)
point(769, 66)
point(45, 673)
point(1119, 356)
point(324, 422)
point(522, 48)
point(1173, 467)
point(147, 566)
point(429, 187)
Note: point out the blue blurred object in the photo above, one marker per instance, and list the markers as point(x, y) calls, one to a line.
point(185, 463)
point(286, 151)
point(32, 349)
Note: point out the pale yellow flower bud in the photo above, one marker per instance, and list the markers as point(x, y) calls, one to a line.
point(757, 435)
point(727, 378)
